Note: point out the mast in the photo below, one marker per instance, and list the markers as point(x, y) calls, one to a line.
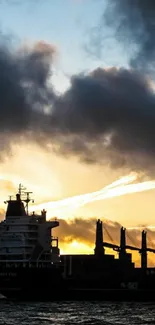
point(99, 249)
point(144, 251)
point(21, 191)
point(27, 200)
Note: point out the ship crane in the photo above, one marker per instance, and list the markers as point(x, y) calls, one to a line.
point(121, 249)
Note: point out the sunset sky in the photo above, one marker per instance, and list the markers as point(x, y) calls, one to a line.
point(67, 25)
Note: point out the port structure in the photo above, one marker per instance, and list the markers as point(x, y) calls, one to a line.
point(100, 244)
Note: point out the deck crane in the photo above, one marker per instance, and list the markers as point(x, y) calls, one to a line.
point(123, 247)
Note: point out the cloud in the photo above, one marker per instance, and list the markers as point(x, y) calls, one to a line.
point(108, 117)
point(105, 117)
point(84, 230)
point(7, 185)
point(23, 83)
point(24, 91)
point(131, 23)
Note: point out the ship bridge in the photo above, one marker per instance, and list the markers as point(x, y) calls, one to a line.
point(27, 238)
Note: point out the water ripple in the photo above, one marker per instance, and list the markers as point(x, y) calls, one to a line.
point(71, 313)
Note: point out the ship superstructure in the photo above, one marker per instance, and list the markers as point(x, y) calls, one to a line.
point(26, 239)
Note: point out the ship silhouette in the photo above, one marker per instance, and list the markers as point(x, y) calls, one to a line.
point(32, 268)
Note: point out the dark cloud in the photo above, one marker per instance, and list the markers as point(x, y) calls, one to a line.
point(133, 24)
point(23, 85)
point(24, 90)
point(107, 116)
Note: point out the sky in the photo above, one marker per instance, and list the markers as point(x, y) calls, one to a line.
point(68, 25)
point(43, 20)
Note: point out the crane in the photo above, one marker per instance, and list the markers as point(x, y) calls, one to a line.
point(121, 249)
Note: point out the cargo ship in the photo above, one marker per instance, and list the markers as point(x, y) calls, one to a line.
point(32, 268)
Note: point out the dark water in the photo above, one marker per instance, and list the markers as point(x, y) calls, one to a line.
point(71, 313)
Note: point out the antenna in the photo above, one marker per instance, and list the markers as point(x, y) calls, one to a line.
point(21, 189)
point(27, 200)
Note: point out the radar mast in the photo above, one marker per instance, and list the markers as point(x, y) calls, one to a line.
point(27, 200)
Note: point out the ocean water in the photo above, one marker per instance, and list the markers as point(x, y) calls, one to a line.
point(70, 313)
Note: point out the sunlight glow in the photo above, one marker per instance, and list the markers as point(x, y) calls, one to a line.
point(110, 191)
point(76, 247)
point(79, 200)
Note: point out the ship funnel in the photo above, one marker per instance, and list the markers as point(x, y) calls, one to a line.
point(99, 249)
point(144, 250)
point(15, 208)
point(18, 197)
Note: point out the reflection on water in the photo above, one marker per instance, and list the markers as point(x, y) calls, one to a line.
point(71, 313)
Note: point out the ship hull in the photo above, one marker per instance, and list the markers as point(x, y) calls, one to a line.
point(111, 295)
point(121, 295)
point(31, 283)
point(48, 284)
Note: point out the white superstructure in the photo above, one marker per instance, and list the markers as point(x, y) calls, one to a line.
point(26, 240)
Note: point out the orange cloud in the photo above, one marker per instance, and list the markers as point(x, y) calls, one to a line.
point(82, 231)
point(7, 185)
